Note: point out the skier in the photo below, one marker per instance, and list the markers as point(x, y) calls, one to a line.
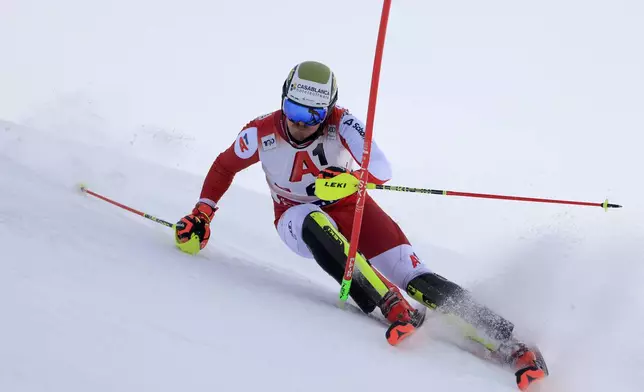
point(311, 137)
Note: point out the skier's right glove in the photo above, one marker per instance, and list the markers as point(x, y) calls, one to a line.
point(333, 171)
point(333, 193)
point(192, 232)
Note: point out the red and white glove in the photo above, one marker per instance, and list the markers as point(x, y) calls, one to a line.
point(198, 222)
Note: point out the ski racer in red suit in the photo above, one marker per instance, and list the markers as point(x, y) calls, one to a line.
point(311, 137)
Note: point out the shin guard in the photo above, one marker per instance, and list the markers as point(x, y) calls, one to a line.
point(445, 296)
point(328, 248)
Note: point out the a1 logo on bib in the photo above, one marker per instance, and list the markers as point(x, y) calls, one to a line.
point(269, 142)
point(246, 143)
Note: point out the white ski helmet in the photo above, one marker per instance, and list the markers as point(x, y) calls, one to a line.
point(311, 84)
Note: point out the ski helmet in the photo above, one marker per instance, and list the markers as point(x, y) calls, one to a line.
point(311, 84)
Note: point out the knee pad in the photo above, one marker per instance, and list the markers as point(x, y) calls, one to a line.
point(433, 290)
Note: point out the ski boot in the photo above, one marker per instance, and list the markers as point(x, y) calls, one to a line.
point(528, 370)
point(395, 307)
point(527, 362)
point(403, 317)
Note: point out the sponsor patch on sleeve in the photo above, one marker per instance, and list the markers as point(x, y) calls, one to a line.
point(246, 143)
point(350, 122)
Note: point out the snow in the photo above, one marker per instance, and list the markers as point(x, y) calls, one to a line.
point(137, 98)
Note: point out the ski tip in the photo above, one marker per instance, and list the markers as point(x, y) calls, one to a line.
point(399, 331)
point(82, 187)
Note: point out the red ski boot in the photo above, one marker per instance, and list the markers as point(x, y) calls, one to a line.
point(395, 307)
point(403, 317)
point(527, 368)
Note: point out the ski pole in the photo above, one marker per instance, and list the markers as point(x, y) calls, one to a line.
point(346, 184)
point(84, 189)
point(191, 246)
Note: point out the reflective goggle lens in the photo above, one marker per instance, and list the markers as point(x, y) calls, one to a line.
point(304, 114)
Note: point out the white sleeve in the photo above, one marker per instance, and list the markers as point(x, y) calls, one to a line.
point(352, 133)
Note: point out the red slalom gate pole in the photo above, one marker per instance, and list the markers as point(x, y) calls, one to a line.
point(366, 154)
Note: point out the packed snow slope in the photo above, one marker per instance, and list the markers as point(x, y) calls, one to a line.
point(96, 298)
point(137, 97)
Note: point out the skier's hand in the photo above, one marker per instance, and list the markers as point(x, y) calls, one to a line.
point(333, 192)
point(192, 232)
point(333, 171)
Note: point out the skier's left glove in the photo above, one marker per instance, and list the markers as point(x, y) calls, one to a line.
point(192, 232)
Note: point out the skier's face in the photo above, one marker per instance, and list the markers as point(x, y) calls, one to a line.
point(299, 131)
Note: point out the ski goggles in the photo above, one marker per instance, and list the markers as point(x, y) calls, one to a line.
point(304, 114)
